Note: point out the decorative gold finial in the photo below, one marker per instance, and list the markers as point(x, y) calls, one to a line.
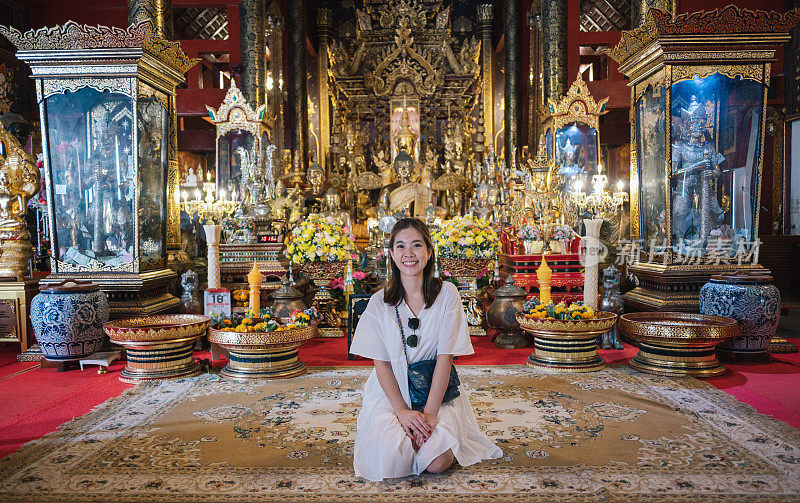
point(543, 274)
point(254, 279)
point(19, 181)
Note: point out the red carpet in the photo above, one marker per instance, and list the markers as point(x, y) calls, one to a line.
point(36, 401)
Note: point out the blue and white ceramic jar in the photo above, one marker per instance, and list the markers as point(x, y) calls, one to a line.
point(750, 298)
point(67, 318)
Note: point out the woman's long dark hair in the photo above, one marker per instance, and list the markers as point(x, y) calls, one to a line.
point(394, 292)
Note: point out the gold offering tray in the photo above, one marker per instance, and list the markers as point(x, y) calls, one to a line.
point(677, 344)
point(567, 345)
point(156, 328)
point(158, 347)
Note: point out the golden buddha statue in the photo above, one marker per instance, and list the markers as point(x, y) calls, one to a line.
point(314, 195)
point(406, 194)
point(333, 209)
point(19, 181)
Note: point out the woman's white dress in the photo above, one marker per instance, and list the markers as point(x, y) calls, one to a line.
point(383, 450)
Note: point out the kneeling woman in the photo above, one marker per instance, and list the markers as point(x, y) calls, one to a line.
point(415, 318)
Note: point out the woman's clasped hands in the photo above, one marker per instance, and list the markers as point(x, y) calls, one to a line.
point(416, 426)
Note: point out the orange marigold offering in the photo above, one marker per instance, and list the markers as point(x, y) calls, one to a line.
point(534, 309)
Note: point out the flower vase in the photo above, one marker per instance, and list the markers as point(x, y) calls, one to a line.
point(591, 261)
point(212, 239)
point(556, 246)
point(533, 247)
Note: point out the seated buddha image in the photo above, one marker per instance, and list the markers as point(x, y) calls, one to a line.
point(405, 194)
point(315, 193)
point(333, 208)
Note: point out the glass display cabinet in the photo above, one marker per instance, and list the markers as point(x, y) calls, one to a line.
point(244, 154)
point(571, 135)
point(105, 97)
point(698, 97)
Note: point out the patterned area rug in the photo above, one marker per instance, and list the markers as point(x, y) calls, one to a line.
point(613, 435)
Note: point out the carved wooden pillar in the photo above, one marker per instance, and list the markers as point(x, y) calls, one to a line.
point(487, 96)
point(324, 25)
point(535, 88)
point(554, 48)
point(298, 88)
point(159, 11)
point(512, 110)
point(639, 9)
point(274, 38)
point(251, 16)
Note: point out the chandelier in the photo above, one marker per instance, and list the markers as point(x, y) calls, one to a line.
point(600, 201)
point(205, 203)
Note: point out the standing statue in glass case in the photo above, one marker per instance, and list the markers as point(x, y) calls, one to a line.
point(245, 182)
point(695, 163)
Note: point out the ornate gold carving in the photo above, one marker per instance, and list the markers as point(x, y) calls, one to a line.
point(168, 52)
point(404, 63)
point(235, 113)
point(52, 86)
point(633, 184)
point(729, 20)
point(752, 72)
point(19, 181)
point(394, 12)
point(719, 55)
point(577, 106)
point(72, 35)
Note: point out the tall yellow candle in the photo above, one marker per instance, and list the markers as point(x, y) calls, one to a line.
point(543, 274)
point(254, 279)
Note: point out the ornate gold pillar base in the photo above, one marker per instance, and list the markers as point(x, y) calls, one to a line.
point(673, 287)
point(157, 360)
point(559, 352)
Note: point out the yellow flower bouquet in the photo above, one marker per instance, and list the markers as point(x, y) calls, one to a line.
point(466, 237)
point(319, 239)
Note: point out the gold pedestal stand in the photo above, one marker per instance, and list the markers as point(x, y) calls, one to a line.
point(567, 345)
point(263, 355)
point(129, 295)
point(677, 344)
point(15, 297)
point(158, 347)
point(674, 288)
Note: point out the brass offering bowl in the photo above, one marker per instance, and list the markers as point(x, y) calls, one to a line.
point(677, 344)
point(158, 346)
point(263, 355)
point(567, 345)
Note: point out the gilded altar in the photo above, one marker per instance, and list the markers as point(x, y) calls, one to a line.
point(406, 81)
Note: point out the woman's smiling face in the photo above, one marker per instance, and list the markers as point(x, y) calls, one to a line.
point(410, 253)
